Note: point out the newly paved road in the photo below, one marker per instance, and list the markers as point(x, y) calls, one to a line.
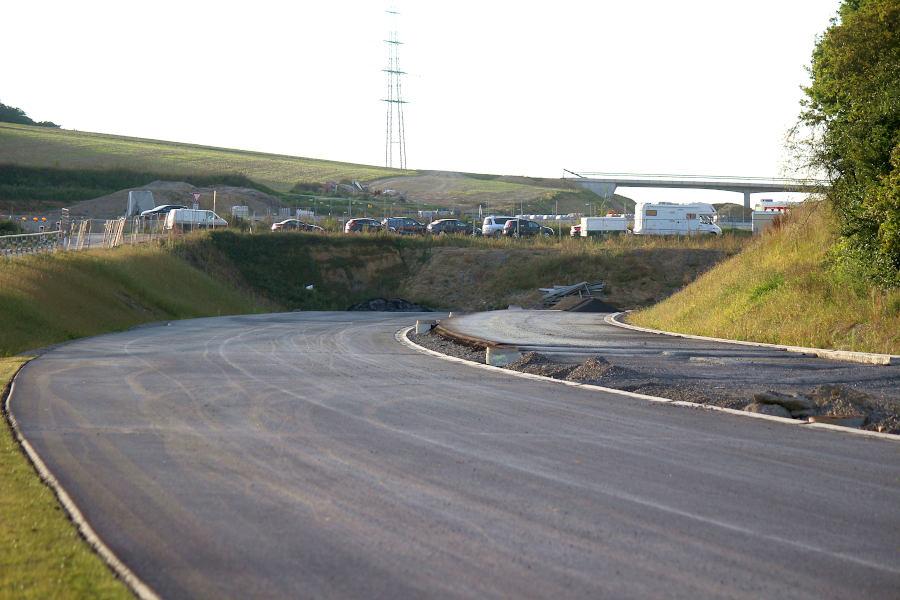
point(311, 455)
point(731, 368)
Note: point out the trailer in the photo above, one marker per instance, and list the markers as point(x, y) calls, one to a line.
point(670, 218)
point(610, 225)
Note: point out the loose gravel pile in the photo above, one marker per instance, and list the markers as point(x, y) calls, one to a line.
point(538, 364)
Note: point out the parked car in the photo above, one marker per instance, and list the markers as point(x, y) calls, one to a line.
point(187, 219)
point(360, 225)
point(493, 225)
point(297, 225)
point(451, 226)
point(403, 225)
point(160, 212)
point(525, 228)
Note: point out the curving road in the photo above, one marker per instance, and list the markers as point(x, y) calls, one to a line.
point(312, 455)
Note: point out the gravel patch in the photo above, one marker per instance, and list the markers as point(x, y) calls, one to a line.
point(538, 364)
point(438, 343)
point(825, 401)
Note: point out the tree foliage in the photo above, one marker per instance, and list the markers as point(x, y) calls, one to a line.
point(853, 106)
point(11, 114)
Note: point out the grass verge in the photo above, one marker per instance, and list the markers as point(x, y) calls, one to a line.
point(52, 298)
point(42, 556)
point(785, 289)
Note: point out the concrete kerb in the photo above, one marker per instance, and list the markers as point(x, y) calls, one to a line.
point(137, 586)
point(869, 358)
point(402, 337)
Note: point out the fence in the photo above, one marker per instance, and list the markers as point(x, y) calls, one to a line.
point(83, 234)
point(29, 243)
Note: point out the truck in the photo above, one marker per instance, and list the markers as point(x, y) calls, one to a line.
point(609, 225)
point(670, 218)
point(187, 219)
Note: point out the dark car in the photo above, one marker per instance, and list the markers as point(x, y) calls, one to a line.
point(160, 212)
point(442, 226)
point(403, 225)
point(297, 225)
point(360, 225)
point(525, 228)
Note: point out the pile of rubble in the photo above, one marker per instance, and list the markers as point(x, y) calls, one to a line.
point(833, 404)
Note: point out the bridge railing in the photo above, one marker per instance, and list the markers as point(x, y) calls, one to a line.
point(736, 179)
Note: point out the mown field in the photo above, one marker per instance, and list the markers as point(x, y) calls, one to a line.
point(786, 288)
point(65, 149)
point(54, 167)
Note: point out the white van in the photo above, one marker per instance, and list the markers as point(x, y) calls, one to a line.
point(669, 218)
point(187, 219)
point(493, 225)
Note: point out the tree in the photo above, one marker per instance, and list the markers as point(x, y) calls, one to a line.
point(11, 114)
point(853, 106)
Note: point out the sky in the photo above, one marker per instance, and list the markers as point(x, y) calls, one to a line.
point(524, 88)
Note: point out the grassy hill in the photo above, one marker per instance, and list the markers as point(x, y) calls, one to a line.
point(78, 150)
point(785, 288)
point(55, 167)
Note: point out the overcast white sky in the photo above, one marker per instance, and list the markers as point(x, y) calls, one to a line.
point(525, 88)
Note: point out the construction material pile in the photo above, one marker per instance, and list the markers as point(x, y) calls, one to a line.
point(581, 290)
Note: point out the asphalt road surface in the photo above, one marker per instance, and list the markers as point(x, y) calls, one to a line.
point(718, 367)
point(312, 455)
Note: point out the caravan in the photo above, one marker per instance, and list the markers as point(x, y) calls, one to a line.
point(669, 218)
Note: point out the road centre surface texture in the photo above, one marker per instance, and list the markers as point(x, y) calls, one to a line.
point(311, 454)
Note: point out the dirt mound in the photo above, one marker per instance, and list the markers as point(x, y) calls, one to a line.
point(179, 192)
point(595, 369)
point(538, 364)
point(593, 305)
point(389, 305)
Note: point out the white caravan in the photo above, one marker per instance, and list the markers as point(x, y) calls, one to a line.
point(591, 226)
point(669, 218)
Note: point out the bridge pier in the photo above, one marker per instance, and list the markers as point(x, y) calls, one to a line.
point(747, 200)
point(603, 189)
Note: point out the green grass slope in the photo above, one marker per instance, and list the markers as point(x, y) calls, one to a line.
point(43, 556)
point(51, 298)
point(784, 289)
point(65, 149)
point(77, 165)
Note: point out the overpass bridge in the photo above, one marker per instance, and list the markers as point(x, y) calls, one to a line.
point(605, 184)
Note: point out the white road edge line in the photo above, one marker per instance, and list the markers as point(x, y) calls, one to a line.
point(401, 336)
point(869, 358)
point(137, 586)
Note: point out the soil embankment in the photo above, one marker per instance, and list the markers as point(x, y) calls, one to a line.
point(447, 274)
